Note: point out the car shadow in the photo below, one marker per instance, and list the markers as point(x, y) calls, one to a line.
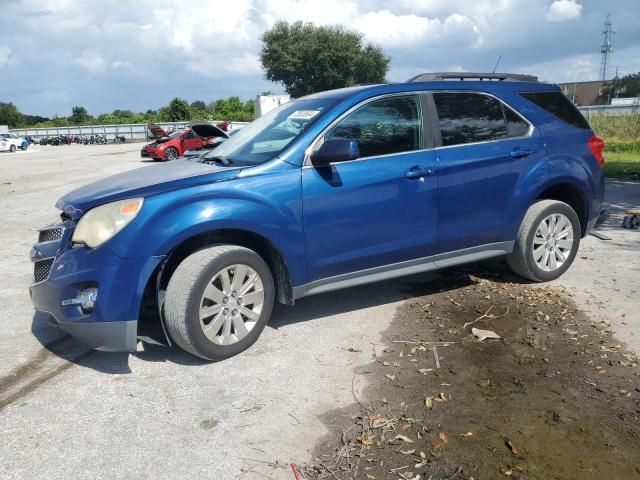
point(314, 308)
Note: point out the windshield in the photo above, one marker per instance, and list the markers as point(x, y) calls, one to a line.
point(267, 136)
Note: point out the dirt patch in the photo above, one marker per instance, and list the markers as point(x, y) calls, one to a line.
point(555, 398)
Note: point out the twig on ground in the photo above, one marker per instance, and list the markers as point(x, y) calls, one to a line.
point(321, 463)
point(353, 392)
point(485, 315)
point(424, 342)
point(435, 355)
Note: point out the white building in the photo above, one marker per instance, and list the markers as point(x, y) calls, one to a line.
point(266, 103)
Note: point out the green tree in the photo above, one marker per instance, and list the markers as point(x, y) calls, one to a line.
point(233, 109)
point(79, 116)
point(178, 110)
point(198, 105)
point(9, 115)
point(628, 86)
point(306, 58)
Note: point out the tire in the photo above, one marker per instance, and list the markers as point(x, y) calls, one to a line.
point(550, 265)
point(12, 148)
point(170, 154)
point(185, 302)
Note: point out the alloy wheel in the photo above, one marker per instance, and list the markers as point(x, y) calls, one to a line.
point(231, 304)
point(552, 242)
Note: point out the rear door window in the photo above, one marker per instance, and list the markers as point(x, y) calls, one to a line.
point(467, 117)
point(559, 105)
point(383, 127)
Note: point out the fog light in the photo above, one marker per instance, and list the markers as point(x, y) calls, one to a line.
point(86, 300)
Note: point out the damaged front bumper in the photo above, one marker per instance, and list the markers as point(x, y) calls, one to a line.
point(62, 273)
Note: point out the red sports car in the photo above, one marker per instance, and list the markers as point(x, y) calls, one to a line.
point(194, 137)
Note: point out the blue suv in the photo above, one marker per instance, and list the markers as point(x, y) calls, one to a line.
point(329, 191)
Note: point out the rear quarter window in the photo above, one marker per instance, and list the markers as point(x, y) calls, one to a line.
point(556, 103)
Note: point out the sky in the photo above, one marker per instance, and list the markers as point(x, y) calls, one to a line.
point(138, 55)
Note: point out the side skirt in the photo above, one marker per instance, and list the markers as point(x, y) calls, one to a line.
point(401, 269)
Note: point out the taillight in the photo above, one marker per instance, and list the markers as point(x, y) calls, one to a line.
point(596, 145)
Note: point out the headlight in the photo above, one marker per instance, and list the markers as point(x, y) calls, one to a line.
point(101, 223)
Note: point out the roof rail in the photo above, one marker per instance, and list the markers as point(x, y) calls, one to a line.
point(501, 77)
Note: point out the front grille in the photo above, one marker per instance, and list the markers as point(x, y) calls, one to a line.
point(41, 270)
point(50, 234)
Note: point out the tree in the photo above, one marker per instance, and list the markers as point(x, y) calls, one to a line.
point(198, 105)
point(178, 110)
point(234, 109)
point(628, 86)
point(306, 58)
point(9, 115)
point(79, 115)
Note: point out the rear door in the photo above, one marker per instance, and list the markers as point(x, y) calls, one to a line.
point(486, 149)
point(379, 209)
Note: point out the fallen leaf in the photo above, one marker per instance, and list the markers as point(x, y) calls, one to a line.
point(408, 452)
point(443, 437)
point(429, 403)
point(366, 440)
point(466, 434)
point(506, 471)
point(390, 377)
point(513, 449)
point(403, 438)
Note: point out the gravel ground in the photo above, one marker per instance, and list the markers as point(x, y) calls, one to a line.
point(69, 413)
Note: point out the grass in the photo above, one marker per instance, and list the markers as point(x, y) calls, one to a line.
point(622, 164)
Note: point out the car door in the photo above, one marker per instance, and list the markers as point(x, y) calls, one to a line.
point(486, 149)
point(190, 141)
point(379, 209)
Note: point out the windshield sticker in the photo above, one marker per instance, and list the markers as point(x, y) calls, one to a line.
point(303, 114)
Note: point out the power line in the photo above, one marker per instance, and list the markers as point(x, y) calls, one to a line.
point(607, 46)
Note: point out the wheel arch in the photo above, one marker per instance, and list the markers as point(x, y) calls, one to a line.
point(571, 194)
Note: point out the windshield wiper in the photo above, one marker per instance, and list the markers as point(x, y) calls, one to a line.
point(215, 159)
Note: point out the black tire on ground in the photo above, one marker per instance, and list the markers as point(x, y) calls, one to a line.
point(184, 293)
point(12, 148)
point(170, 154)
point(521, 260)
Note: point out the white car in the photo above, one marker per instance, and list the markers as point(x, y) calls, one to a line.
point(11, 142)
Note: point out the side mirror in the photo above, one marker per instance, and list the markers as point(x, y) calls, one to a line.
point(335, 150)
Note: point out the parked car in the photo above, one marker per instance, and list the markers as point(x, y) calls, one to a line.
point(12, 142)
point(169, 146)
point(329, 191)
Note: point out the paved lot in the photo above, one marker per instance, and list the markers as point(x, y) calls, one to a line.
point(69, 413)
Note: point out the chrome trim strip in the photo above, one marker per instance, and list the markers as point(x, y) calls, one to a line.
point(409, 267)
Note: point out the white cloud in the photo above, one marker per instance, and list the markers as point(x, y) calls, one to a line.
point(563, 10)
point(5, 56)
point(92, 61)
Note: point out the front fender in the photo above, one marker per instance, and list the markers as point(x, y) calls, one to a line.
point(268, 205)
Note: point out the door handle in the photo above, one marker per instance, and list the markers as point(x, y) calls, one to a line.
point(417, 172)
point(519, 152)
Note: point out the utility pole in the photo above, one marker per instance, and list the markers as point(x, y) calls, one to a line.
point(607, 46)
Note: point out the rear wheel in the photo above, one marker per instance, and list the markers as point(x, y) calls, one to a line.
point(218, 301)
point(171, 154)
point(547, 241)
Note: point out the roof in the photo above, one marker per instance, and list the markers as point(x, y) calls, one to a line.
point(385, 88)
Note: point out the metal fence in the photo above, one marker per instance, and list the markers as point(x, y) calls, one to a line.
point(131, 131)
point(609, 110)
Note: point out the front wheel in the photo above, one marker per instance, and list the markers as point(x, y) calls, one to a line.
point(218, 301)
point(171, 154)
point(547, 241)
point(12, 148)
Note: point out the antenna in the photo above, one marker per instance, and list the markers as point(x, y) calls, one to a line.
point(496, 65)
point(607, 46)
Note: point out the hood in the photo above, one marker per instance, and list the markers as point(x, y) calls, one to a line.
point(206, 130)
point(143, 182)
point(157, 131)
